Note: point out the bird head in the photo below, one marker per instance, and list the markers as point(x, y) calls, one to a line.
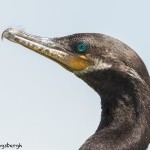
point(84, 53)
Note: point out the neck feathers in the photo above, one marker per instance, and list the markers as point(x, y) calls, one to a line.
point(125, 100)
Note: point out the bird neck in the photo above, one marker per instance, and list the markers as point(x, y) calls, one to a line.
point(121, 108)
point(125, 102)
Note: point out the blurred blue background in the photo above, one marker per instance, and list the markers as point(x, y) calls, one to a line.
point(42, 105)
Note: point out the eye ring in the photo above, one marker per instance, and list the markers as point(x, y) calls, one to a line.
point(81, 47)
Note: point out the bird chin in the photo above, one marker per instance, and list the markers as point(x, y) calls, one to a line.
point(98, 65)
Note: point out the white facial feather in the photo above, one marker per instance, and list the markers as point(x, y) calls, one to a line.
point(99, 65)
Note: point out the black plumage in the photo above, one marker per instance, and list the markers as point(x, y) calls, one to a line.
point(115, 72)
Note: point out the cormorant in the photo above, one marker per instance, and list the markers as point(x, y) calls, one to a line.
point(115, 72)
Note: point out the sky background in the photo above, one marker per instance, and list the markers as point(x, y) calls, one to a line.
point(43, 106)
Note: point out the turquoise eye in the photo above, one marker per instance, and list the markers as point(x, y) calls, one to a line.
point(81, 47)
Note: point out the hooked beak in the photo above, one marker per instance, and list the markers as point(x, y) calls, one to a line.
point(48, 48)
